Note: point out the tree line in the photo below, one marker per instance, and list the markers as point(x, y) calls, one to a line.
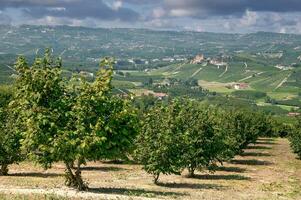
point(47, 118)
point(185, 134)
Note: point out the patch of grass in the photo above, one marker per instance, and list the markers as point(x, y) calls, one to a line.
point(134, 192)
point(4, 196)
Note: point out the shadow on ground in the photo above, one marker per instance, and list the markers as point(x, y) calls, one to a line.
point(134, 192)
point(258, 147)
point(266, 139)
point(36, 174)
point(221, 177)
point(255, 154)
point(251, 162)
point(101, 168)
point(266, 142)
point(230, 169)
point(192, 186)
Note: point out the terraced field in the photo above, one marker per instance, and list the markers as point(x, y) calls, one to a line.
point(266, 79)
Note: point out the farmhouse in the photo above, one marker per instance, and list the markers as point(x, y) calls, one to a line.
point(217, 63)
point(240, 86)
point(160, 95)
point(293, 114)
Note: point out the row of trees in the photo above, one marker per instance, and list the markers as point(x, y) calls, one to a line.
point(184, 134)
point(48, 119)
point(295, 138)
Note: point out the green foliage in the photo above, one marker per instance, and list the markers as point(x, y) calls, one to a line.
point(281, 129)
point(295, 138)
point(71, 121)
point(144, 102)
point(293, 102)
point(187, 134)
point(182, 90)
point(177, 88)
point(5, 95)
point(204, 140)
point(249, 94)
point(9, 136)
point(39, 102)
point(158, 143)
point(273, 110)
point(248, 126)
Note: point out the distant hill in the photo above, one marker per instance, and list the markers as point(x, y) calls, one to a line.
point(223, 78)
point(140, 49)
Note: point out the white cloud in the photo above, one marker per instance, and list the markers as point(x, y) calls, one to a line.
point(158, 12)
point(180, 12)
point(117, 5)
point(249, 19)
point(283, 30)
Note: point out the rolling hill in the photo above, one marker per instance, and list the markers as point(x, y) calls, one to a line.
point(142, 54)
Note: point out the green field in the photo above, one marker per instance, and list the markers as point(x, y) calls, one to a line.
point(268, 79)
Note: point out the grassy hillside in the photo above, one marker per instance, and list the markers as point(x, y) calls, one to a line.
point(267, 79)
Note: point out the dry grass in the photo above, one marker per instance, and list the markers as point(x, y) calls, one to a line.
point(216, 86)
point(267, 170)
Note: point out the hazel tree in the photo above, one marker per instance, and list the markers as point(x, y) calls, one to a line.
point(71, 121)
point(158, 143)
point(103, 127)
point(204, 141)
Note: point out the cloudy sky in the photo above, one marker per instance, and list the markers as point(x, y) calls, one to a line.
point(232, 16)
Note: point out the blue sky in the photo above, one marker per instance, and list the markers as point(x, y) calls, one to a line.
point(232, 16)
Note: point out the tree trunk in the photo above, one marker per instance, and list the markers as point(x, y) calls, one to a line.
point(75, 179)
point(78, 175)
point(4, 170)
point(191, 172)
point(156, 178)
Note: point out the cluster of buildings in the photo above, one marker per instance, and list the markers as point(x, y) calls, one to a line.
point(155, 60)
point(200, 58)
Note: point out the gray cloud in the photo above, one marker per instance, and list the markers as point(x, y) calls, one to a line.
point(5, 19)
point(206, 8)
point(77, 9)
point(33, 3)
point(199, 15)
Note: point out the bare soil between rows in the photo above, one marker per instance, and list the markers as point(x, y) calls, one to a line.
point(266, 170)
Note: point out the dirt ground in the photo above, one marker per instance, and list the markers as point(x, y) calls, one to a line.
point(267, 170)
